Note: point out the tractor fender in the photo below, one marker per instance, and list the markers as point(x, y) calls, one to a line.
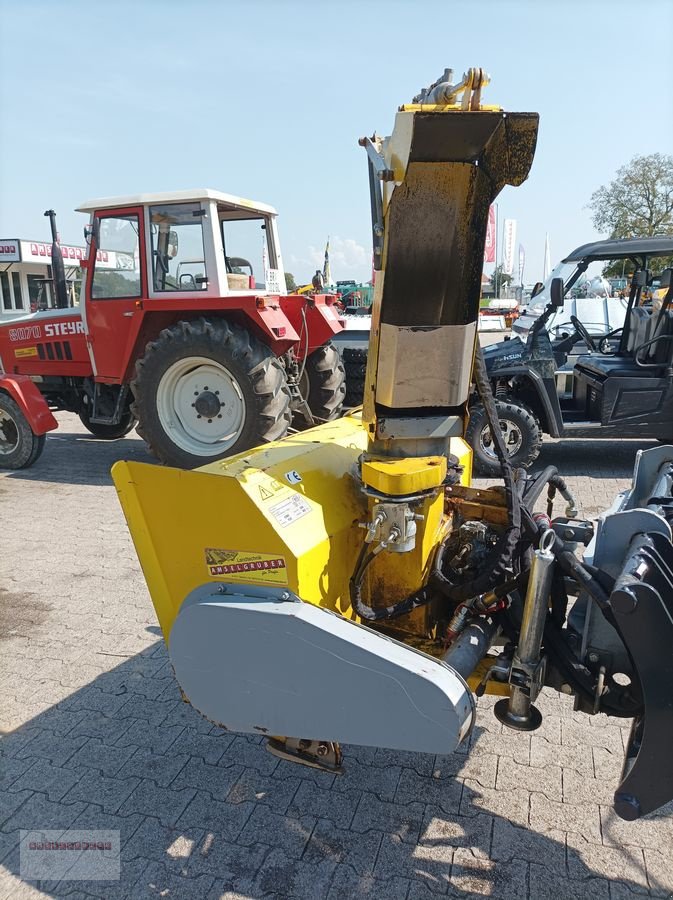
point(30, 401)
point(553, 422)
point(322, 318)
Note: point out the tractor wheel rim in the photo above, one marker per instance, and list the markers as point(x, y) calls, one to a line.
point(201, 406)
point(511, 434)
point(9, 434)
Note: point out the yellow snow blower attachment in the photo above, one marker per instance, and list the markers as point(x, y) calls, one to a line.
point(347, 583)
point(292, 582)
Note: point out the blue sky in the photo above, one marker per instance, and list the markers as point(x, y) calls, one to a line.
point(268, 99)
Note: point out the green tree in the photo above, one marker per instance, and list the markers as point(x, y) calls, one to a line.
point(499, 278)
point(638, 203)
point(290, 283)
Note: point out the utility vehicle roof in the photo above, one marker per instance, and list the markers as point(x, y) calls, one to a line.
point(626, 248)
point(228, 200)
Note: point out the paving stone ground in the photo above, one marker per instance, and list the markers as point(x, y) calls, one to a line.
point(93, 734)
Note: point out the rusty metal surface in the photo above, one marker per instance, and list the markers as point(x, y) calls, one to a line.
point(436, 221)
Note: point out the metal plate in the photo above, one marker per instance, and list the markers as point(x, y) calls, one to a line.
point(256, 663)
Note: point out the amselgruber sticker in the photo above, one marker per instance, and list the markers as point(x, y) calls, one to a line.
point(246, 566)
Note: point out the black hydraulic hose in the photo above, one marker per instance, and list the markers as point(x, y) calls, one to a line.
point(506, 547)
point(570, 564)
point(551, 477)
point(536, 485)
point(420, 598)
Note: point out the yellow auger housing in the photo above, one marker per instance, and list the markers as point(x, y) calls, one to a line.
point(293, 583)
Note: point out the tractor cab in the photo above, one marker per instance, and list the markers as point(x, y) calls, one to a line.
point(202, 243)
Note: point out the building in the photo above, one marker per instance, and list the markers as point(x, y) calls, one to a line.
point(26, 274)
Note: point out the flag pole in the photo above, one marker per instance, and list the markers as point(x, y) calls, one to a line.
point(496, 279)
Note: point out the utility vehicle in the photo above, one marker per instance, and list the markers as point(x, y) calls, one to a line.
point(619, 385)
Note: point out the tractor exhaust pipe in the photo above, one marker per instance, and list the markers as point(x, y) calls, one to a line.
point(57, 267)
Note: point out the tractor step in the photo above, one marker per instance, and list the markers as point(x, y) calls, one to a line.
point(120, 401)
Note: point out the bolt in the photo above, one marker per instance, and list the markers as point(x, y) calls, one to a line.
point(285, 595)
point(217, 393)
point(210, 421)
point(219, 415)
point(193, 404)
point(205, 388)
point(322, 750)
point(593, 657)
point(198, 416)
point(221, 589)
point(196, 393)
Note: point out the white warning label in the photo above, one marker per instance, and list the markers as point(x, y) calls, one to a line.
point(288, 511)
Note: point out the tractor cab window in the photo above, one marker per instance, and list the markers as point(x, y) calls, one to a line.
point(178, 259)
point(249, 258)
point(117, 266)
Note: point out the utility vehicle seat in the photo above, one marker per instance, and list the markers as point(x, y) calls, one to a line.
point(644, 326)
point(595, 364)
point(641, 324)
point(660, 351)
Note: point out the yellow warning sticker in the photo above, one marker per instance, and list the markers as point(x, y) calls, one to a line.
point(25, 351)
point(244, 565)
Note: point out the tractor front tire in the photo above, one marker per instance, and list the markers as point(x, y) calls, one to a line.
point(323, 384)
point(19, 446)
point(108, 432)
point(521, 434)
point(206, 389)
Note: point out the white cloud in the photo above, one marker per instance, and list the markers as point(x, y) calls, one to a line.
point(348, 259)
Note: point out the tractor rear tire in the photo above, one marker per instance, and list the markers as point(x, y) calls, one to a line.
point(324, 384)
point(206, 389)
point(108, 432)
point(521, 432)
point(19, 446)
point(355, 363)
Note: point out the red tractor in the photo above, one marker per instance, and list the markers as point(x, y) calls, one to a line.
point(175, 334)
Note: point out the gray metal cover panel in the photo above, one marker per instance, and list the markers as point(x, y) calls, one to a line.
point(258, 664)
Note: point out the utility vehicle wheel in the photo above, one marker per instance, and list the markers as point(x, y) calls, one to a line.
point(520, 431)
point(108, 432)
point(19, 447)
point(207, 389)
point(355, 364)
point(323, 384)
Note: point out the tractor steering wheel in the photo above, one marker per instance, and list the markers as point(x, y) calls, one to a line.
point(583, 333)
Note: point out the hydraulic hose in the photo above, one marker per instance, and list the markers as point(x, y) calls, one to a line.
point(420, 598)
point(505, 549)
point(551, 477)
point(580, 573)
